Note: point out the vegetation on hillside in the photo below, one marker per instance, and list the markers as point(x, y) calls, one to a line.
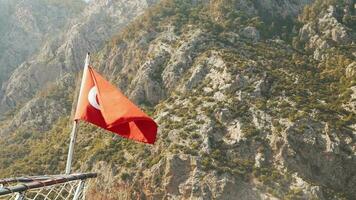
point(299, 87)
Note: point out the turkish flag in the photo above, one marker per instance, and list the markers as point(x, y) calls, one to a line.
point(102, 104)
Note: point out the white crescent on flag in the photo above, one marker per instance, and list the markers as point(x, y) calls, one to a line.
point(92, 97)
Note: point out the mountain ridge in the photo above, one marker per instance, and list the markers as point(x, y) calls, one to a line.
point(62, 54)
point(26, 26)
point(248, 106)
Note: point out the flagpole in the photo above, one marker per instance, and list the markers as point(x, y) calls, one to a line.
point(73, 134)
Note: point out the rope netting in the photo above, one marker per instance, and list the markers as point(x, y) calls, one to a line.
point(46, 187)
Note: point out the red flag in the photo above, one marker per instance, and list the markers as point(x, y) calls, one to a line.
point(102, 104)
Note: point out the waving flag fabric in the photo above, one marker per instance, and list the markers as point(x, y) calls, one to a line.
point(102, 104)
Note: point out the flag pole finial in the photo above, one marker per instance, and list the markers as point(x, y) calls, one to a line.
point(87, 60)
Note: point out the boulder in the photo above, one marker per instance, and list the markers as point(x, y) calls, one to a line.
point(251, 32)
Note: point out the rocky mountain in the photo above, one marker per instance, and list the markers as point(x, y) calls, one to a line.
point(26, 25)
point(254, 100)
point(63, 53)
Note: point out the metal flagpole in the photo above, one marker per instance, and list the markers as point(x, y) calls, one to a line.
point(73, 134)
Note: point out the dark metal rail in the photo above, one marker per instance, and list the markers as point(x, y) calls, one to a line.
point(40, 181)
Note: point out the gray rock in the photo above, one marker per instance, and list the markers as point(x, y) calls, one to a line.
point(319, 156)
point(147, 86)
point(251, 33)
point(182, 58)
point(318, 33)
point(351, 70)
point(339, 35)
point(238, 83)
point(197, 76)
point(230, 189)
point(177, 171)
point(223, 115)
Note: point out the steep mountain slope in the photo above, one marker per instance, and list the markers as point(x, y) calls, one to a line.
point(47, 80)
point(240, 115)
point(251, 103)
point(63, 53)
point(26, 25)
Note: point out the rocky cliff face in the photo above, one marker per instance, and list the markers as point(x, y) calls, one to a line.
point(233, 118)
point(26, 25)
point(64, 52)
point(248, 106)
